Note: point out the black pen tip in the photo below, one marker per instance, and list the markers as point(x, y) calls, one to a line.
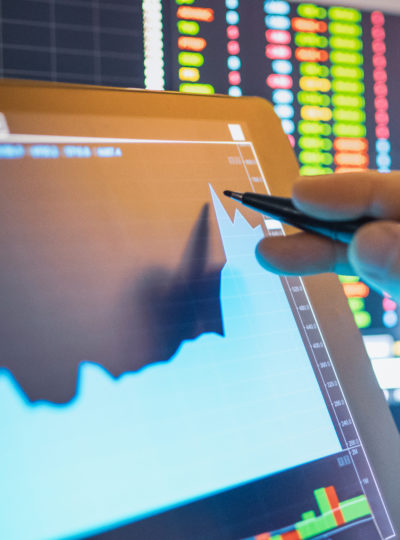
point(233, 195)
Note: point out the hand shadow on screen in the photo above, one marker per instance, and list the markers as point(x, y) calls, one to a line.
point(170, 307)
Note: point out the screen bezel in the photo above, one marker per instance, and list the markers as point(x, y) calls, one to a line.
point(366, 400)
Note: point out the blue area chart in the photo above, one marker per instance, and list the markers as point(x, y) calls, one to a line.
point(221, 412)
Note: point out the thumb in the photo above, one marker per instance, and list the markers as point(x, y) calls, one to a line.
point(374, 254)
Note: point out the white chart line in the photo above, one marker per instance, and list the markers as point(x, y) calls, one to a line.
point(61, 139)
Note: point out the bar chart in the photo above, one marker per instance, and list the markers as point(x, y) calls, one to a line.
point(333, 514)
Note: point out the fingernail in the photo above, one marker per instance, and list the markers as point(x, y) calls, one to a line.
point(374, 248)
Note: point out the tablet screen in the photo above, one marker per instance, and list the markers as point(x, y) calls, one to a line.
point(156, 382)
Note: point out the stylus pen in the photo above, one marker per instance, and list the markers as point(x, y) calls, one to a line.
point(283, 209)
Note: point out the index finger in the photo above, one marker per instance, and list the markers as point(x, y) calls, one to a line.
point(349, 195)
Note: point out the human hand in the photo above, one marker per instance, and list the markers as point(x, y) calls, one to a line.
point(373, 254)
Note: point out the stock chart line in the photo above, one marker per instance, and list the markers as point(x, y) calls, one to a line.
point(165, 402)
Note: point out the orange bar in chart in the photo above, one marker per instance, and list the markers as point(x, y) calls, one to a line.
point(195, 13)
point(350, 145)
point(187, 43)
point(309, 54)
point(308, 25)
point(263, 536)
point(340, 170)
point(343, 159)
point(334, 503)
point(291, 535)
point(357, 289)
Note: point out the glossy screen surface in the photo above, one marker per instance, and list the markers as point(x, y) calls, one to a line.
point(154, 378)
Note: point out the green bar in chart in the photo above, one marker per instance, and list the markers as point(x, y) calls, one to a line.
point(355, 508)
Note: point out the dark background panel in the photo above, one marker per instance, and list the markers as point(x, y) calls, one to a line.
point(93, 42)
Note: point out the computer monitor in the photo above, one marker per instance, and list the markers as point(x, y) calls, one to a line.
point(331, 73)
point(156, 382)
